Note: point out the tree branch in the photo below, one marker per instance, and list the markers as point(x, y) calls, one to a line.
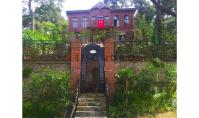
point(164, 9)
point(25, 2)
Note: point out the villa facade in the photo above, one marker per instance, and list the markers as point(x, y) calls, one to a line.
point(119, 19)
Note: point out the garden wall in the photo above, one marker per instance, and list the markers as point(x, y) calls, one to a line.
point(136, 66)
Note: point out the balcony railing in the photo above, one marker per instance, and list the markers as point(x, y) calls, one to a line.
point(93, 24)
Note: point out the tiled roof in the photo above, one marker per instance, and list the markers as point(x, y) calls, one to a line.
point(77, 11)
point(123, 9)
point(100, 5)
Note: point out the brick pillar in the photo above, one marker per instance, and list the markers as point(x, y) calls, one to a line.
point(75, 64)
point(109, 68)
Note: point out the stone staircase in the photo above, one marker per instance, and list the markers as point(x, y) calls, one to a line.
point(91, 105)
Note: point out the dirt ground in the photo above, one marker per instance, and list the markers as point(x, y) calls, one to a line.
point(160, 115)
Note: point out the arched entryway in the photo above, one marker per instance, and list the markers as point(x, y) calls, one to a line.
point(92, 71)
point(104, 55)
point(92, 80)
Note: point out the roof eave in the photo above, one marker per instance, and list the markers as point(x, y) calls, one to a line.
point(76, 11)
point(123, 9)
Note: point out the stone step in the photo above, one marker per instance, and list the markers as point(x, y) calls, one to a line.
point(90, 113)
point(93, 117)
point(92, 95)
point(91, 104)
point(99, 99)
point(91, 108)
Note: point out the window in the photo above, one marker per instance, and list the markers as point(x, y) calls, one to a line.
point(106, 17)
point(84, 22)
point(93, 22)
point(93, 18)
point(126, 20)
point(107, 22)
point(116, 21)
point(75, 22)
point(100, 18)
point(121, 37)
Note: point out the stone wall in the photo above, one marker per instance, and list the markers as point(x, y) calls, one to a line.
point(135, 66)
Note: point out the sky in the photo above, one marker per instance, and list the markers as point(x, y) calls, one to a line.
point(77, 5)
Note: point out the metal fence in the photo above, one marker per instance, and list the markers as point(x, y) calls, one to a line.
point(142, 50)
point(46, 51)
point(125, 51)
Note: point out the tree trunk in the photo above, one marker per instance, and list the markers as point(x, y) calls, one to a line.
point(168, 11)
point(158, 24)
point(31, 14)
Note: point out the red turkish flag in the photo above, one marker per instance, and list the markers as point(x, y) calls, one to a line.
point(100, 24)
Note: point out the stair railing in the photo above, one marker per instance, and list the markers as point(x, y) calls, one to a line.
point(76, 94)
point(70, 112)
point(107, 97)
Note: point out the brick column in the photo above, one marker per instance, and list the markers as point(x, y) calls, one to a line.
point(109, 68)
point(75, 64)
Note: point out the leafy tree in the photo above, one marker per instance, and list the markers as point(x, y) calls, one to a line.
point(150, 13)
point(118, 3)
point(58, 3)
point(45, 10)
point(29, 35)
point(27, 21)
point(48, 22)
point(143, 28)
point(50, 29)
point(168, 7)
point(169, 29)
point(158, 9)
point(48, 12)
point(85, 36)
point(28, 17)
point(163, 8)
point(62, 27)
point(47, 31)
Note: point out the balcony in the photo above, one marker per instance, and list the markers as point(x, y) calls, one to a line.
point(93, 24)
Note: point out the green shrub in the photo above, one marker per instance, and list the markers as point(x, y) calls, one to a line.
point(46, 95)
point(157, 62)
point(155, 90)
point(26, 72)
point(123, 97)
point(152, 90)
